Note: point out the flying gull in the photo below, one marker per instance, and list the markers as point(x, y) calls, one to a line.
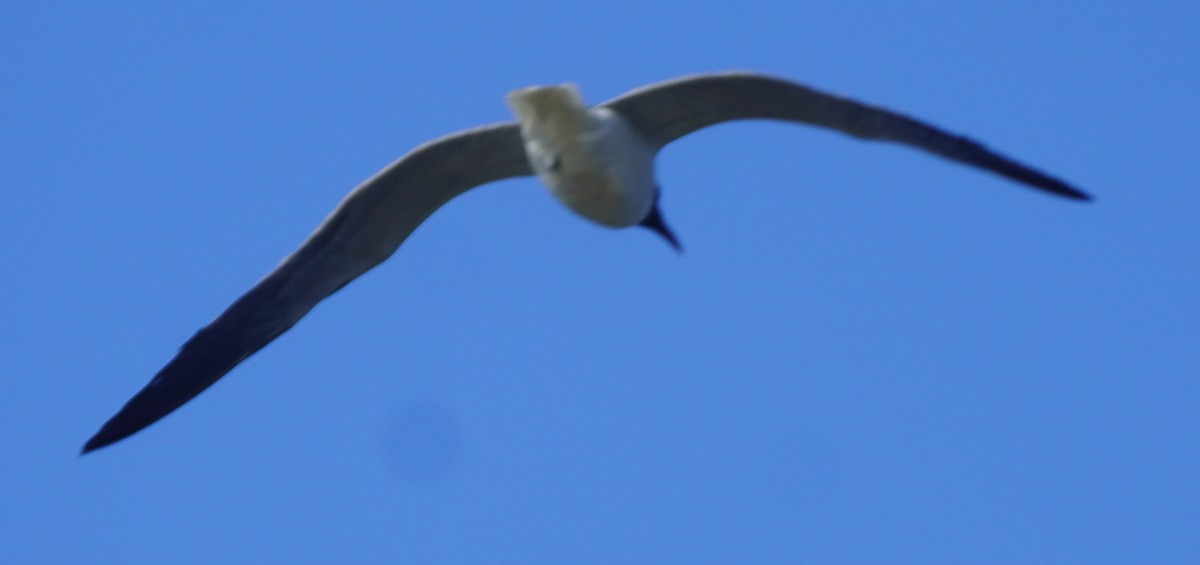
point(598, 161)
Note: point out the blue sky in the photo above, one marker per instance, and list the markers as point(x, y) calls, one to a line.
point(865, 355)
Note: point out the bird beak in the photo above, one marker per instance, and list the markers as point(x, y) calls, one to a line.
point(654, 222)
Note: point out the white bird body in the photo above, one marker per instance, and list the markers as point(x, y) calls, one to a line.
point(592, 160)
point(597, 161)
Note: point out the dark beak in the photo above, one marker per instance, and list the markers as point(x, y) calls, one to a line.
point(654, 221)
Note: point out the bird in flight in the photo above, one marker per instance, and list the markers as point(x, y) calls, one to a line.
point(598, 161)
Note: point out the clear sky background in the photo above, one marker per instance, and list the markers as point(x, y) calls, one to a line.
point(866, 354)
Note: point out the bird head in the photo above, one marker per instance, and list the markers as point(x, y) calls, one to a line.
point(556, 112)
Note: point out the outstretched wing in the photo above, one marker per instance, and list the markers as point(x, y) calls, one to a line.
point(669, 110)
point(364, 229)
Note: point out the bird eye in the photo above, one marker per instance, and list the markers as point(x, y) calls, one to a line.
point(554, 164)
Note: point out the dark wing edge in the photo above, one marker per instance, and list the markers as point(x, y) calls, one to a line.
point(364, 230)
point(669, 110)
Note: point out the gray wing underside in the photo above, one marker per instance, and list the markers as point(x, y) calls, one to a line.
point(364, 230)
point(669, 110)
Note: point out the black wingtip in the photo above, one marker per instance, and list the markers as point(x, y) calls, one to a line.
point(979, 156)
point(1065, 190)
point(1036, 179)
point(103, 438)
point(146, 407)
point(1080, 195)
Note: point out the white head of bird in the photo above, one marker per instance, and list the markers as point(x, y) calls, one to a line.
point(590, 158)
